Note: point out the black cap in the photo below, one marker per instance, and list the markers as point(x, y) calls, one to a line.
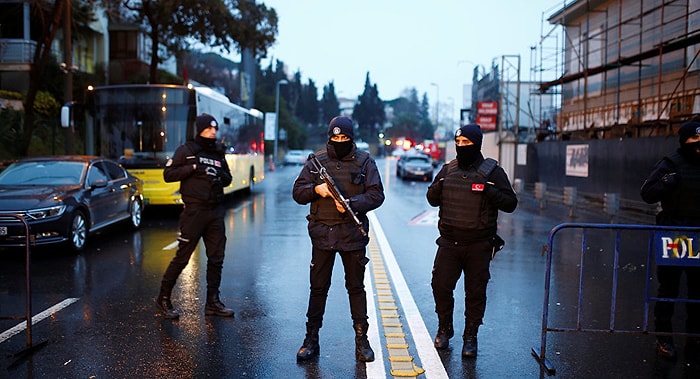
point(341, 125)
point(204, 121)
point(471, 131)
point(687, 130)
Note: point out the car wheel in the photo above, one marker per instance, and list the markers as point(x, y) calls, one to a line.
point(78, 231)
point(398, 172)
point(135, 214)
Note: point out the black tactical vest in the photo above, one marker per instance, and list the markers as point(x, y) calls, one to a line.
point(349, 177)
point(464, 207)
point(683, 205)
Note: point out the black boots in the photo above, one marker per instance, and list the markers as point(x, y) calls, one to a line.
point(363, 352)
point(309, 348)
point(163, 302)
point(470, 346)
point(215, 307)
point(166, 307)
point(444, 333)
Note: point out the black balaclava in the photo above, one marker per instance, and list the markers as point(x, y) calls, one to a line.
point(689, 151)
point(204, 121)
point(341, 125)
point(466, 155)
point(341, 149)
point(206, 143)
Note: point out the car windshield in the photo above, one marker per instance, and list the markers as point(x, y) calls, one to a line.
point(43, 173)
point(417, 160)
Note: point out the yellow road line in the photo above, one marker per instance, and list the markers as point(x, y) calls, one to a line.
point(400, 358)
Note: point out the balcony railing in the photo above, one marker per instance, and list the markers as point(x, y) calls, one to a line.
point(16, 50)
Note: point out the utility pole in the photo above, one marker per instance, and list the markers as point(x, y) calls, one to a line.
point(68, 70)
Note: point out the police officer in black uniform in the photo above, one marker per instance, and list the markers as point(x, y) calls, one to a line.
point(200, 167)
point(332, 231)
point(469, 193)
point(675, 182)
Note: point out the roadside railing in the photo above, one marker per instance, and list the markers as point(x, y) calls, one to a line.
point(666, 245)
point(612, 205)
point(27, 317)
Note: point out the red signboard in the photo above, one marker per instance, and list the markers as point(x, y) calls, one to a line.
point(487, 108)
point(486, 122)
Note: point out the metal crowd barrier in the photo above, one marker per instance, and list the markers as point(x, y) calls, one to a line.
point(30, 347)
point(654, 232)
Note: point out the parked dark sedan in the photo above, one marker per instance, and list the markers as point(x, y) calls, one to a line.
point(66, 198)
point(415, 166)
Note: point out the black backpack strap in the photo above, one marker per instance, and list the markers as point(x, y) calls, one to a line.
point(674, 159)
point(487, 167)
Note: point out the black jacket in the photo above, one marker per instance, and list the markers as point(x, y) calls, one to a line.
point(203, 185)
point(675, 183)
point(493, 194)
point(339, 236)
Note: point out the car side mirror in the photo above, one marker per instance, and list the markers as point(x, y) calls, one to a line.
point(98, 183)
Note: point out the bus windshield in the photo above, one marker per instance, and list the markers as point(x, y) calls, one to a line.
point(141, 125)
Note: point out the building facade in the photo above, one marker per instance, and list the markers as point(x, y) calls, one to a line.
point(627, 68)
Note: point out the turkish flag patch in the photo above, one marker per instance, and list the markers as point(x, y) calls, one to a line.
point(478, 187)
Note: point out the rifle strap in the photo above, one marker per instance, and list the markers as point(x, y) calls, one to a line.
point(487, 167)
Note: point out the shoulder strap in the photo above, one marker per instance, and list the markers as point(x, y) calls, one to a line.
point(451, 165)
point(193, 147)
point(674, 159)
point(364, 162)
point(487, 167)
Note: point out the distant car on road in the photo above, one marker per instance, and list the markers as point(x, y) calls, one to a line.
point(362, 146)
point(296, 157)
point(415, 166)
point(65, 198)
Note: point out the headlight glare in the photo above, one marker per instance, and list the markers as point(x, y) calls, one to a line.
point(43, 213)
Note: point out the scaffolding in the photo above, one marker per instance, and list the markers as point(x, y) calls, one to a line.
point(618, 68)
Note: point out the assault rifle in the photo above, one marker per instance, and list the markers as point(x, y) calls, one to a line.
point(335, 192)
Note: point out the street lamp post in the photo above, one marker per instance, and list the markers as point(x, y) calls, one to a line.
point(277, 115)
point(437, 103)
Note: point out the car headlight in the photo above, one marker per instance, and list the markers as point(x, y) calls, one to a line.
point(43, 213)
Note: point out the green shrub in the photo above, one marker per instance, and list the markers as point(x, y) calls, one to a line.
point(46, 105)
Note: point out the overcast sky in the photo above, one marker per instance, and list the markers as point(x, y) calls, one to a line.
point(405, 43)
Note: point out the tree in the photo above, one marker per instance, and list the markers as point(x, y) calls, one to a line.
point(369, 112)
point(411, 117)
point(330, 106)
point(426, 127)
point(47, 17)
point(173, 24)
point(308, 109)
point(213, 71)
point(265, 97)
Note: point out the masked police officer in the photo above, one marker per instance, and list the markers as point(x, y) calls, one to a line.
point(469, 191)
point(675, 182)
point(200, 167)
point(333, 231)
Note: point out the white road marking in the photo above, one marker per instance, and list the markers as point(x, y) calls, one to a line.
point(429, 359)
point(35, 319)
point(376, 369)
point(171, 246)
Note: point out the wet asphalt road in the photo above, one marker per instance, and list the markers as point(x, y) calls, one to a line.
point(107, 325)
